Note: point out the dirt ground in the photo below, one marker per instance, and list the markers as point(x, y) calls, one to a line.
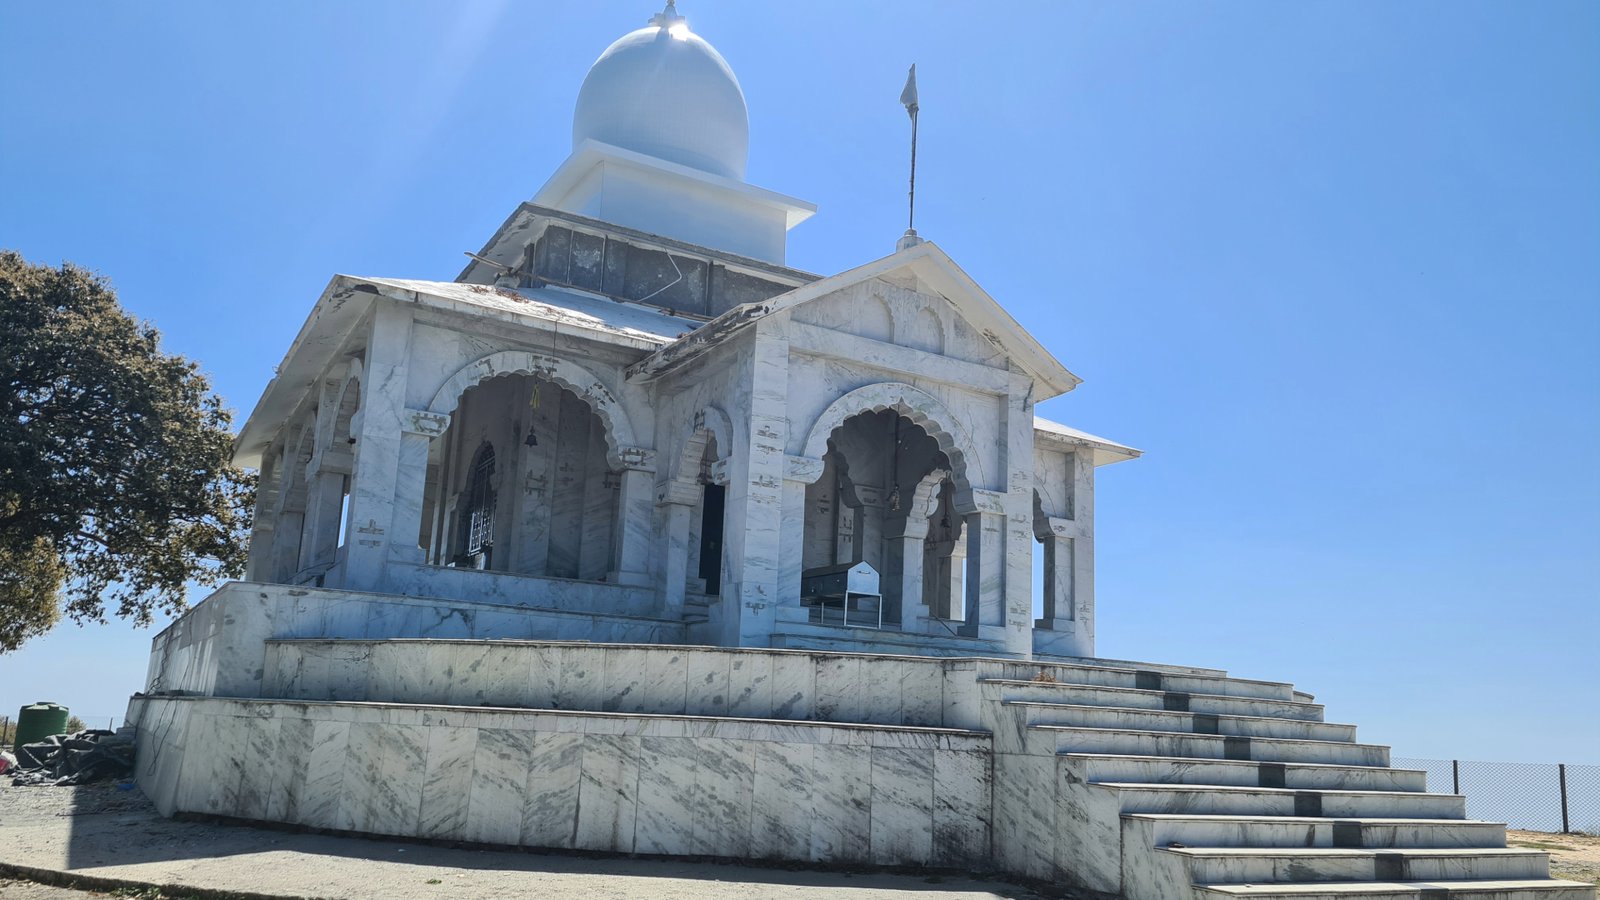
point(1575, 857)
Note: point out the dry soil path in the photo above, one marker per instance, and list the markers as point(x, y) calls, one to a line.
point(1575, 857)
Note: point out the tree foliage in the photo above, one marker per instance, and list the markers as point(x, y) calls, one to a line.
point(116, 488)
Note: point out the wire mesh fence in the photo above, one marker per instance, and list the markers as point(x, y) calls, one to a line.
point(1529, 796)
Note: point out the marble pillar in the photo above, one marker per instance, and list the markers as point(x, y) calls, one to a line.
point(418, 430)
point(635, 518)
point(378, 445)
point(1017, 435)
point(799, 473)
point(754, 512)
point(324, 512)
point(986, 521)
point(675, 557)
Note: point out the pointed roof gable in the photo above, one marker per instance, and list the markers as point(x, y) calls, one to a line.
point(932, 267)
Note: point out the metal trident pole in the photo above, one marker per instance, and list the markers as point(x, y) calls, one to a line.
point(911, 218)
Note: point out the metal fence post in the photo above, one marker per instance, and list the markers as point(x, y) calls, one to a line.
point(1455, 775)
point(1566, 824)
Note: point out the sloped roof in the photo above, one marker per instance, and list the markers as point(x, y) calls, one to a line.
point(1106, 451)
point(631, 325)
point(563, 306)
point(930, 265)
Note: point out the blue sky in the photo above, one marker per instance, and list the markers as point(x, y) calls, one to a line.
point(1334, 265)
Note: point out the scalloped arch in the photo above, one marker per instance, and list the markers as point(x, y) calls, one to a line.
point(917, 405)
point(568, 374)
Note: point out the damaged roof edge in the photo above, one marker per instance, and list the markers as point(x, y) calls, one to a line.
point(334, 304)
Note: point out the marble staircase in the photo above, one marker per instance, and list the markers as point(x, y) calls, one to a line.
point(1203, 786)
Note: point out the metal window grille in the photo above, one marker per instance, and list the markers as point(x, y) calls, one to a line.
point(480, 503)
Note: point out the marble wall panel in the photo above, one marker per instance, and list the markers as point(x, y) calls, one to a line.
point(551, 796)
point(209, 780)
point(781, 800)
point(750, 685)
point(724, 787)
point(879, 680)
point(347, 667)
point(841, 823)
point(1088, 840)
point(447, 781)
point(669, 799)
point(295, 735)
point(640, 680)
point(794, 681)
point(608, 793)
point(578, 681)
point(482, 674)
point(962, 781)
point(921, 694)
point(902, 806)
point(163, 726)
point(708, 683)
point(1024, 814)
point(498, 784)
point(381, 787)
point(260, 764)
point(318, 802)
point(839, 689)
point(545, 664)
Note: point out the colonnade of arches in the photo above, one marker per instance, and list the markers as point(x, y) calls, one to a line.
point(528, 473)
point(304, 488)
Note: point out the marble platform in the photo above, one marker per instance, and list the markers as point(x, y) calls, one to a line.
point(412, 717)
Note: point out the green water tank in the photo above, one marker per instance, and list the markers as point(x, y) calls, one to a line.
point(39, 721)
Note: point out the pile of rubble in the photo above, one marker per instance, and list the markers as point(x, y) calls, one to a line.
point(64, 759)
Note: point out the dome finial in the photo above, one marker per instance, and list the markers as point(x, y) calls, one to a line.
point(668, 17)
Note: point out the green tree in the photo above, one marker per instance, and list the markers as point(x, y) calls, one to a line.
point(116, 487)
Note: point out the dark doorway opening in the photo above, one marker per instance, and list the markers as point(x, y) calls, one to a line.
point(711, 539)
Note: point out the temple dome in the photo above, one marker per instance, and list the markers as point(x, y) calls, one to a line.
point(664, 92)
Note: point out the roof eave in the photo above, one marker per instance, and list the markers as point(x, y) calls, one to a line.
point(340, 306)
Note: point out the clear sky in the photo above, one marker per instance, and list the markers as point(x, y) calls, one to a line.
point(1335, 266)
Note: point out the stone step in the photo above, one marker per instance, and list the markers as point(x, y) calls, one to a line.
point(1040, 713)
point(1520, 889)
point(1247, 865)
point(1260, 801)
point(1133, 698)
point(1197, 830)
point(1134, 742)
point(1141, 679)
point(1100, 767)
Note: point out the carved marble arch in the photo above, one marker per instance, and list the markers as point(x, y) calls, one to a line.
point(710, 441)
point(917, 405)
point(580, 381)
point(298, 454)
point(346, 423)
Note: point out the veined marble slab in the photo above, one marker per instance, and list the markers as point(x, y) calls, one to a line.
point(616, 782)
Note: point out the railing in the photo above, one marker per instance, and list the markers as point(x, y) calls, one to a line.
point(1530, 796)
